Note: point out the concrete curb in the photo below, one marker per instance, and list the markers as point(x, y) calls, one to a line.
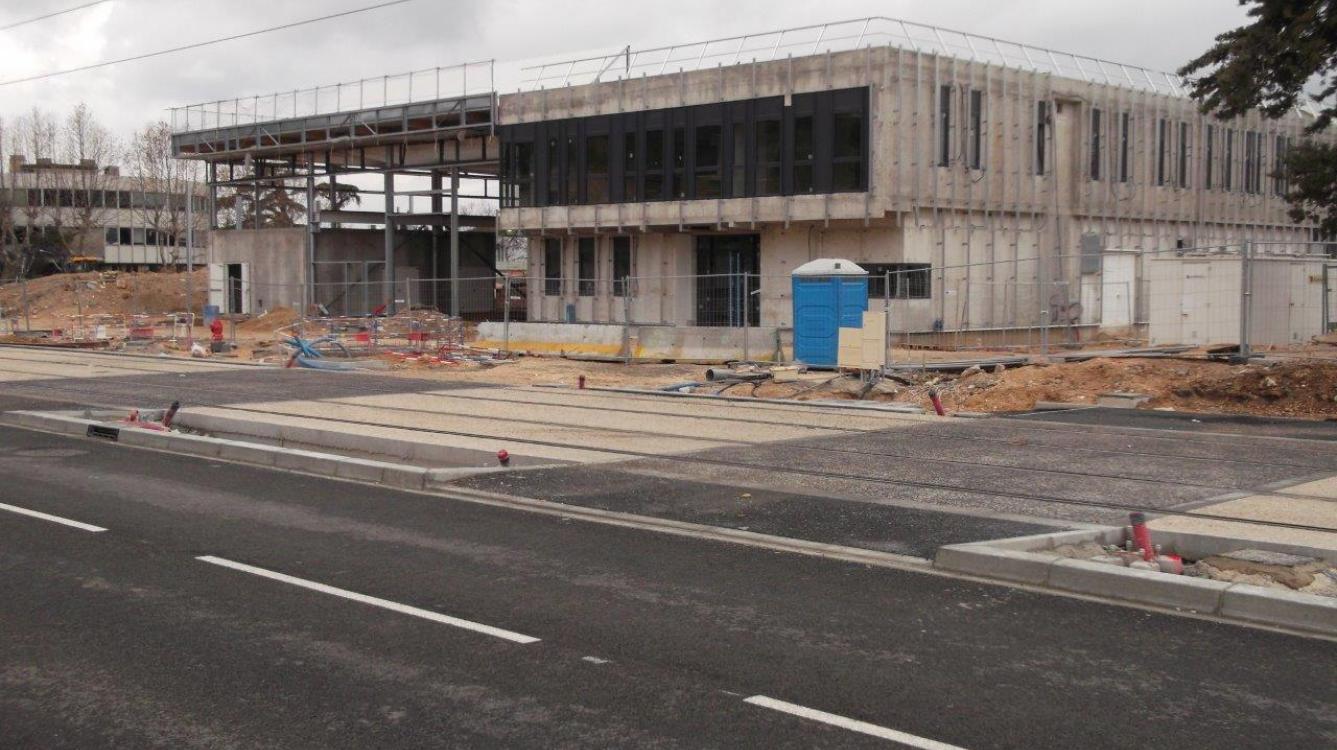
point(1017, 560)
point(308, 439)
point(309, 462)
point(134, 355)
point(436, 482)
point(863, 406)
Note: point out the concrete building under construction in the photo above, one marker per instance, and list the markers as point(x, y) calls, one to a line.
point(977, 180)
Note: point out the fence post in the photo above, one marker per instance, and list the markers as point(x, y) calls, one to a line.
point(1246, 297)
point(626, 318)
point(23, 288)
point(747, 309)
point(1044, 308)
point(506, 315)
point(1327, 295)
point(886, 312)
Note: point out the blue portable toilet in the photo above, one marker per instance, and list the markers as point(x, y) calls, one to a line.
point(829, 294)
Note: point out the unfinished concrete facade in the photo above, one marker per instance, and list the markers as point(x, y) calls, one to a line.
point(988, 187)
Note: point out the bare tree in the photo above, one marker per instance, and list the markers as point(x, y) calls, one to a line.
point(89, 149)
point(8, 205)
point(34, 138)
point(164, 183)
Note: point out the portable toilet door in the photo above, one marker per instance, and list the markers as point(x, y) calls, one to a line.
point(829, 294)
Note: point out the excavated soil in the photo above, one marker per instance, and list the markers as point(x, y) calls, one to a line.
point(1289, 388)
point(53, 300)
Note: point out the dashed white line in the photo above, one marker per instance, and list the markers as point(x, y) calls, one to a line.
point(852, 725)
point(373, 601)
point(54, 519)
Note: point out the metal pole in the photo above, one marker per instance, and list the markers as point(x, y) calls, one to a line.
point(1246, 298)
point(455, 243)
point(190, 262)
point(886, 311)
point(436, 231)
point(309, 288)
point(747, 305)
point(23, 286)
point(1045, 294)
point(1327, 292)
point(506, 314)
point(626, 320)
point(388, 281)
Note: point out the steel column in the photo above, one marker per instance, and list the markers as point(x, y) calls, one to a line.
point(455, 242)
point(388, 280)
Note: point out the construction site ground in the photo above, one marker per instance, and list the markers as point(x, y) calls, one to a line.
point(1297, 381)
point(893, 482)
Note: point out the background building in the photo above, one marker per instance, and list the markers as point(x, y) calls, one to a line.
point(91, 215)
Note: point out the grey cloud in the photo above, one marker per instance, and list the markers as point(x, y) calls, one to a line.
point(427, 33)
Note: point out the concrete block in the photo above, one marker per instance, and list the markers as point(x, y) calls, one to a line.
point(1180, 592)
point(407, 477)
point(310, 462)
point(1280, 607)
point(982, 560)
point(147, 439)
point(1055, 539)
point(195, 445)
point(360, 470)
point(63, 425)
point(20, 418)
point(250, 453)
point(291, 433)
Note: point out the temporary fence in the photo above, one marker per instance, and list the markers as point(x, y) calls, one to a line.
point(106, 306)
point(1233, 296)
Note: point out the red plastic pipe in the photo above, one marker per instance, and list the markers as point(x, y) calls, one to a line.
point(1142, 535)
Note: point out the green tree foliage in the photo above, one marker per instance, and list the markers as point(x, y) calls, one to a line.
point(1311, 169)
point(1286, 55)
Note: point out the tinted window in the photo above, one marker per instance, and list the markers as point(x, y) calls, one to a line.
point(552, 267)
point(585, 267)
point(709, 149)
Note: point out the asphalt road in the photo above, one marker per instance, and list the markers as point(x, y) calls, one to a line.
point(125, 638)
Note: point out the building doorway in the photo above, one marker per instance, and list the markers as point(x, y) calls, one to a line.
point(236, 298)
point(727, 267)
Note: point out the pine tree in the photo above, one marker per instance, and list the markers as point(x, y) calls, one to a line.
point(1287, 55)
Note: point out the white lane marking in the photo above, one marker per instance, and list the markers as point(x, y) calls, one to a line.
point(373, 601)
point(51, 518)
point(852, 725)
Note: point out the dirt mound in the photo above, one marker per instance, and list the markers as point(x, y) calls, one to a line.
point(57, 297)
point(1288, 388)
point(268, 321)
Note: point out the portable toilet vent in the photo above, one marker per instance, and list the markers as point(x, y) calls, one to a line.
point(829, 294)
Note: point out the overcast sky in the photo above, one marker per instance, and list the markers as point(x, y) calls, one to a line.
point(1157, 34)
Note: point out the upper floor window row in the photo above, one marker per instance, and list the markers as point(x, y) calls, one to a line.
point(1182, 154)
point(115, 199)
point(741, 149)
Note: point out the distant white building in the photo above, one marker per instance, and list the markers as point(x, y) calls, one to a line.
point(91, 215)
